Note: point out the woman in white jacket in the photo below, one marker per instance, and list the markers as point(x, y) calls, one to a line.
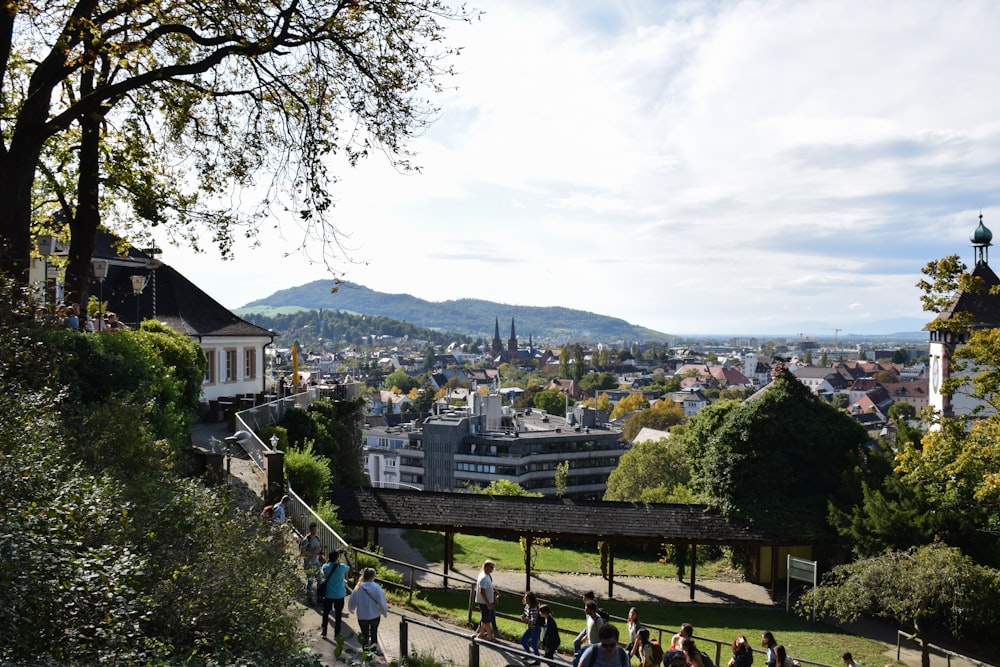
point(368, 602)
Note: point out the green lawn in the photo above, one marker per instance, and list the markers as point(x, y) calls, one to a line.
point(472, 550)
point(815, 642)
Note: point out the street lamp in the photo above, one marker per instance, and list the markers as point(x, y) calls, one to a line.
point(100, 267)
point(238, 437)
point(138, 284)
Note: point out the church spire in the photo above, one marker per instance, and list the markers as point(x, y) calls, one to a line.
point(981, 238)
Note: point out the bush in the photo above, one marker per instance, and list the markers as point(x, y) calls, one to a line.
point(308, 473)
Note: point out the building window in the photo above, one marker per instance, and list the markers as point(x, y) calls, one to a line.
point(209, 366)
point(249, 363)
point(230, 366)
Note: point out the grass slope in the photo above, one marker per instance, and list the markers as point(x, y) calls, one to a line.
point(804, 640)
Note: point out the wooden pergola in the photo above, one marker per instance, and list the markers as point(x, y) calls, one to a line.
point(532, 518)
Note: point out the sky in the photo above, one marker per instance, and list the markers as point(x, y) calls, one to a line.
point(691, 167)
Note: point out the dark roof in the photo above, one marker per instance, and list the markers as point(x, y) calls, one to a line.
point(983, 306)
point(560, 518)
point(168, 296)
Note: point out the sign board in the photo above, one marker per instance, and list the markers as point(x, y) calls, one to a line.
point(799, 569)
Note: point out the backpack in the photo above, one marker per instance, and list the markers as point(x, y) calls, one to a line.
point(267, 512)
point(623, 659)
point(675, 659)
point(657, 652)
point(606, 617)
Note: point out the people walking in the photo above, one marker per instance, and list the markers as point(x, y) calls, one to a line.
point(486, 598)
point(335, 576)
point(550, 638)
point(368, 604)
point(529, 640)
point(310, 550)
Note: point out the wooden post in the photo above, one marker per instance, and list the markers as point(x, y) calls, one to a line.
point(527, 563)
point(694, 562)
point(611, 569)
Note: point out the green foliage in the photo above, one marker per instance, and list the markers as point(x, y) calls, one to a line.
point(915, 588)
point(308, 473)
point(598, 381)
point(901, 412)
point(779, 459)
point(160, 369)
point(506, 487)
point(551, 401)
point(109, 557)
point(561, 478)
point(631, 403)
point(332, 428)
point(328, 512)
point(661, 417)
point(401, 381)
point(654, 467)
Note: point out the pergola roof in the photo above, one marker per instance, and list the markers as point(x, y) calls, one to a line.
point(558, 518)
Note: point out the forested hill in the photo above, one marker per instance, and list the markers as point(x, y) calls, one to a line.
point(473, 317)
point(307, 326)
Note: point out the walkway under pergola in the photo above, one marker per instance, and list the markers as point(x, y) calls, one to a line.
point(531, 518)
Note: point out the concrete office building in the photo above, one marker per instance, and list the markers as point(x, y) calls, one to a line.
point(486, 442)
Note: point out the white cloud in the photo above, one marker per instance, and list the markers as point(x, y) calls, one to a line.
point(691, 167)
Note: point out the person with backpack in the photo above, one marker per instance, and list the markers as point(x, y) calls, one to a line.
point(310, 550)
point(591, 634)
point(649, 651)
point(742, 655)
point(582, 639)
point(334, 590)
point(369, 603)
point(605, 652)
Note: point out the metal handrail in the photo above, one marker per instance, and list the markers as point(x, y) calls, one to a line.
point(948, 653)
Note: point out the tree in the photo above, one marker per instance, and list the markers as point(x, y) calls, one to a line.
point(551, 401)
point(579, 362)
point(661, 417)
point(932, 583)
point(403, 382)
point(634, 401)
point(901, 411)
point(779, 459)
point(195, 80)
point(596, 381)
point(647, 472)
point(561, 478)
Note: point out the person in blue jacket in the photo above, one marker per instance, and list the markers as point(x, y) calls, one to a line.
point(335, 576)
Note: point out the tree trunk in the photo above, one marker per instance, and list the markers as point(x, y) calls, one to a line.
point(17, 175)
point(83, 224)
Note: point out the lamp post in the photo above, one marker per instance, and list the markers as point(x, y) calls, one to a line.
point(238, 437)
point(100, 267)
point(46, 247)
point(138, 284)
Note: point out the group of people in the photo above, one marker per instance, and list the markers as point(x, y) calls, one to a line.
point(69, 316)
point(599, 644)
point(367, 600)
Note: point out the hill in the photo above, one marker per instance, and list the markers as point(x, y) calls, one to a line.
point(473, 317)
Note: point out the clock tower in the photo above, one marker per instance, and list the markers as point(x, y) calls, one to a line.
point(984, 309)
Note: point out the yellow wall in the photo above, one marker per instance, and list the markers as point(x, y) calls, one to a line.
point(804, 551)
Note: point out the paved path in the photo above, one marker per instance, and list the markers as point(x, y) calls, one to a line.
point(450, 643)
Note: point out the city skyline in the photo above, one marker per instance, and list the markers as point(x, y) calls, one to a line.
point(688, 167)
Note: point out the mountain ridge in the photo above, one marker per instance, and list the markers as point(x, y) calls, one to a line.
point(474, 317)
